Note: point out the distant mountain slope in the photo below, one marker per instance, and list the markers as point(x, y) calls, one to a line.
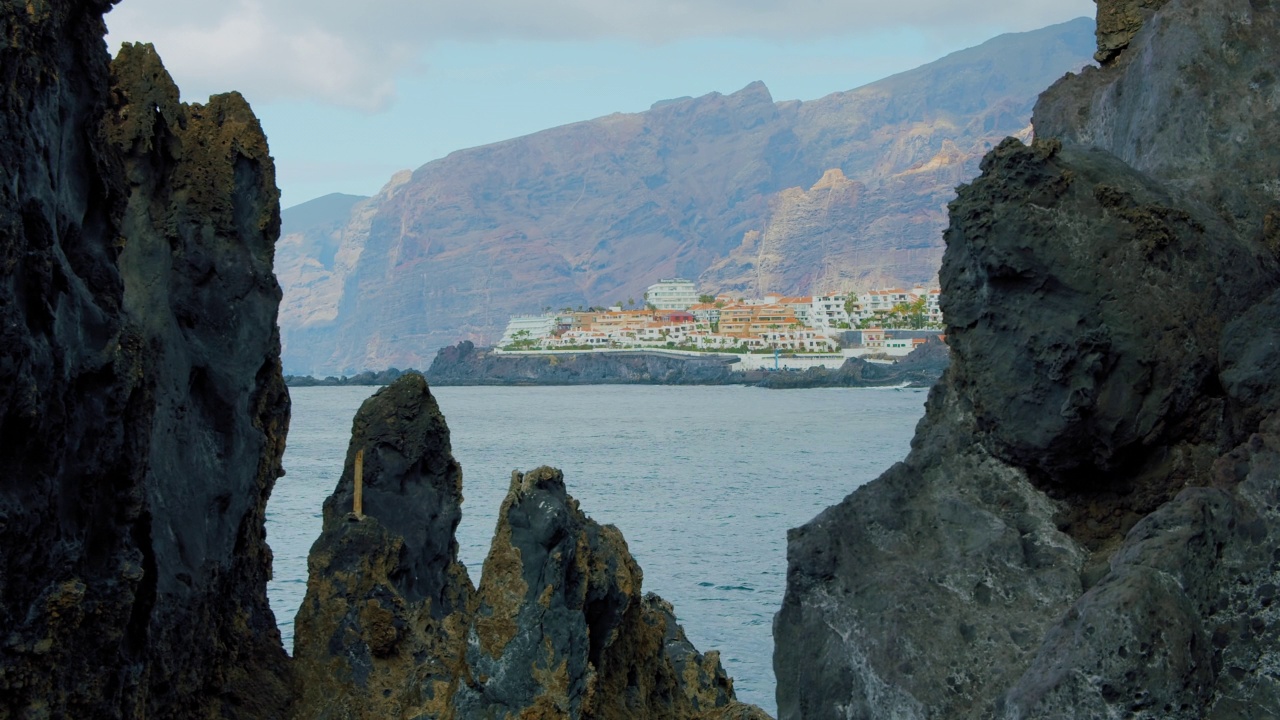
point(328, 210)
point(735, 190)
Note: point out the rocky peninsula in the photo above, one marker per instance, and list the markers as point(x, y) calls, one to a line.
point(465, 364)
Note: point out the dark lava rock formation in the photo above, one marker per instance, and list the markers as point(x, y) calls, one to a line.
point(559, 628)
point(1088, 524)
point(142, 409)
point(465, 364)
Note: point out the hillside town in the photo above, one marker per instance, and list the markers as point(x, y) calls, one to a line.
point(674, 316)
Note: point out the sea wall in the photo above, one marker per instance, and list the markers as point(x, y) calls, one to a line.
point(1086, 525)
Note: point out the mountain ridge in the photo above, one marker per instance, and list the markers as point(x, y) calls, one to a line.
point(593, 212)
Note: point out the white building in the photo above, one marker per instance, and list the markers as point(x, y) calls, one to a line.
point(829, 311)
point(673, 294)
point(528, 327)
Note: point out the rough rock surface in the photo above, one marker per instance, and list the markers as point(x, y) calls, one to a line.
point(1086, 525)
point(559, 628)
point(562, 629)
point(751, 194)
point(465, 364)
point(387, 600)
point(142, 408)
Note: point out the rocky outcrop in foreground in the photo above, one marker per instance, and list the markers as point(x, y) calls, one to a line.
point(1087, 524)
point(392, 627)
point(465, 364)
point(142, 409)
point(144, 416)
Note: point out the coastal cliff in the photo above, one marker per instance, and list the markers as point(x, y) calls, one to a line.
point(142, 407)
point(1086, 525)
point(738, 191)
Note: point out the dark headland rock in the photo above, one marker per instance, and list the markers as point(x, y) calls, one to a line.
point(1088, 524)
point(142, 411)
point(559, 628)
point(465, 364)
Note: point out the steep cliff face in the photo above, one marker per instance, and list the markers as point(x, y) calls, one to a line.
point(1085, 526)
point(559, 627)
point(729, 189)
point(142, 407)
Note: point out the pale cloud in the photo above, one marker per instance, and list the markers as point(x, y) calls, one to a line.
point(349, 53)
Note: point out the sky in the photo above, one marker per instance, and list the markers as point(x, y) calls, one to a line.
point(351, 92)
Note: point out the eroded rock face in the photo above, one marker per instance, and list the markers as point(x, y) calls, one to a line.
point(142, 408)
point(1085, 526)
point(562, 629)
point(559, 628)
point(381, 631)
point(1118, 22)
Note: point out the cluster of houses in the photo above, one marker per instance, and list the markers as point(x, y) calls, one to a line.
point(675, 316)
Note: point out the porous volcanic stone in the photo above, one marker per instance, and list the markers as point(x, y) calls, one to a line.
point(1086, 525)
point(142, 409)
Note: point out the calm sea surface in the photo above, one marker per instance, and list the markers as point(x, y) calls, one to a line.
point(703, 482)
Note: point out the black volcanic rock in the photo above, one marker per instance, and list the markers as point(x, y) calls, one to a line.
point(392, 627)
point(562, 629)
point(387, 598)
point(1086, 524)
point(142, 409)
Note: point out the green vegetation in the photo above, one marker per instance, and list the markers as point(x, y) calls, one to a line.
point(521, 340)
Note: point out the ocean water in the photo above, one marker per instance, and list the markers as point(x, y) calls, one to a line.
point(703, 482)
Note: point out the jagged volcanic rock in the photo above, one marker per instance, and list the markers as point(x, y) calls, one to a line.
point(562, 629)
point(1086, 525)
point(142, 410)
point(391, 626)
point(387, 600)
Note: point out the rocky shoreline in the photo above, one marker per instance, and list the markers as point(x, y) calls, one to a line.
point(465, 364)
point(1088, 523)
